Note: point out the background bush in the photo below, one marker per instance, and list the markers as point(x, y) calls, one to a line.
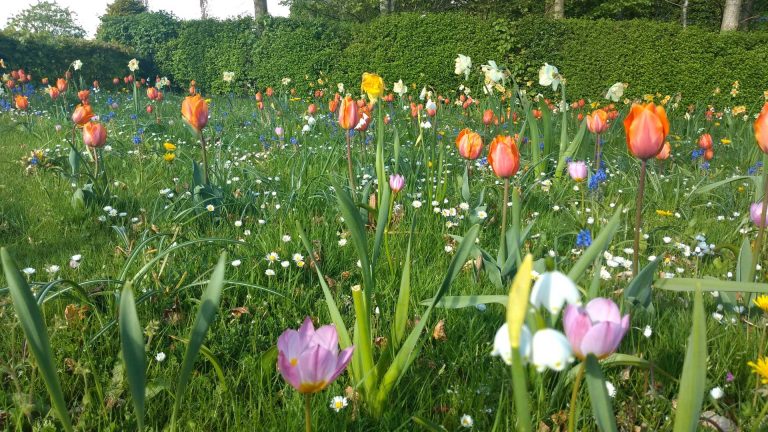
point(51, 57)
point(653, 57)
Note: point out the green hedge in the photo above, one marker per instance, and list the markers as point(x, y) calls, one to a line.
point(51, 57)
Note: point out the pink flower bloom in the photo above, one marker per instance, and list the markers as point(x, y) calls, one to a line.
point(756, 212)
point(396, 182)
point(595, 329)
point(577, 170)
point(309, 360)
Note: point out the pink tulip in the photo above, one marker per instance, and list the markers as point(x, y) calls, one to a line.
point(577, 170)
point(309, 360)
point(756, 213)
point(595, 329)
point(396, 183)
point(279, 131)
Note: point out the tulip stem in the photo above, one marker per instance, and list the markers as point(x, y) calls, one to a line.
point(575, 398)
point(308, 412)
point(761, 230)
point(638, 219)
point(597, 151)
point(349, 163)
point(505, 200)
point(205, 158)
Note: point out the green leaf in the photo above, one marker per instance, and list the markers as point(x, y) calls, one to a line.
point(134, 355)
point(602, 408)
point(404, 296)
point(600, 244)
point(458, 302)
point(208, 354)
point(427, 424)
point(639, 290)
point(381, 224)
point(209, 304)
point(694, 376)
point(34, 330)
point(715, 185)
point(356, 227)
point(710, 285)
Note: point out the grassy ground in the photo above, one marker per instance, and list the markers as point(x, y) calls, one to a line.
point(264, 191)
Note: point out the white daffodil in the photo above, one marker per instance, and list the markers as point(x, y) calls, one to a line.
point(423, 93)
point(133, 65)
point(502, 347)
point(463, 65)
point(492, 72)
point(549, 76)
point(551, 350)
point(399, 88)
point(228, 77)
point(77, 64)
point(340, 86)
point(553, 290)
point(430, 105)
point(616, 91)
point(285, 81)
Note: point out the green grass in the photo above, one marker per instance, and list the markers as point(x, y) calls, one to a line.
point(448, 378)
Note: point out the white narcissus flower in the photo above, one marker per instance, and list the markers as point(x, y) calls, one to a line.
point(340, 86)
point(430, 105)
point(551, 350)
point(549, 76)
point(228, 77)
point(502, 347)
point(492, 72)
point(423, 93)
point(553, 290)
point(77, 64)
point(463, 65)
point(616, 91)
point(133, 65)
point(399, 88)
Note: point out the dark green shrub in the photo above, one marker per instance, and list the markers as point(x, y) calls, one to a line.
point(144, 32)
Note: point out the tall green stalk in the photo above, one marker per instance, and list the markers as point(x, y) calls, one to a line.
point(638, 219)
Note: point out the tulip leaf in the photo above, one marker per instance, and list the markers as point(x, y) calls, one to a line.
point(694, 376)
point(458, 302)
point(638, 292)
point(517, 305)
point(710, 285)
point(209, 304)
point(404, 296)
point(382, 221)
point(356, 227)
point(34, 329)
point(715, 185)
point(208, 354)
point(134, 355)
point(599, 244)
point(602, 408)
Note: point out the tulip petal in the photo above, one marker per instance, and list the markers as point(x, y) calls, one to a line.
point(602, 339)
point(341, 362)
point(289, 371)
point(576, 324)
point(603, 309)
point(327, 337)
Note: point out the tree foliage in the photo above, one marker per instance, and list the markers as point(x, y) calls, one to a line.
point(126, 7)
point(46, 18)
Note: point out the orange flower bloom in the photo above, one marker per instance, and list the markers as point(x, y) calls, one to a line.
point(61, 84)
point(705, 141)
point(665, 151)
point(194, 109)
point(152, 93)
point(646, 127)
point(94, 135)
point(22, 103)
point(82, 114)
point(348, 115)
point(504, 156)
point(469, 143)
point(488, 117)
point(53, 92)
point(761, 129)
point(83, 95)
point(597, 122)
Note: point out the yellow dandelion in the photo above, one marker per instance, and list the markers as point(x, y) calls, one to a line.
point(169, 157)
point(741, 189)
point(762, 302)
point(664, 213)
point(725, 141)
point(760, 368)
point(169, 147)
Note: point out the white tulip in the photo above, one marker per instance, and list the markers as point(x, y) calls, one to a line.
point(502, 348)
point(551, 350)
point(553, 290)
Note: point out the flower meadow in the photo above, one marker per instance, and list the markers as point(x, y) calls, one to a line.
point(380, 255)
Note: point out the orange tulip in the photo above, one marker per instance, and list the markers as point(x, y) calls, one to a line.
point(22, 103)
point(488, 116)
point(44, 81)
point(348, 113)
point(94, 135)
point(82, 114)
point(152, 93)
point(332, 105)
point(258, 97)
point(665, 151)
point(194, 109)
point(53, 92)
point(597, 121)
point(709, 154)
point(61, 84)
point(705, 141)
point(83, 95)
point(646, 127)
point(469, 143)
point(504, 156)
point(761, 129)
point(96, 84)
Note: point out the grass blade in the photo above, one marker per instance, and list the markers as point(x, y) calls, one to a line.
point(34, 329)
point(639, 290)
point(209, 304)
point(134, 355)
point(404, 296)
point(599, 245)
point(602, 408)
point(694, 376)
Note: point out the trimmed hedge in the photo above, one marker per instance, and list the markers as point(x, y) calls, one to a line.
point(51, 57)
point(144, 32)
